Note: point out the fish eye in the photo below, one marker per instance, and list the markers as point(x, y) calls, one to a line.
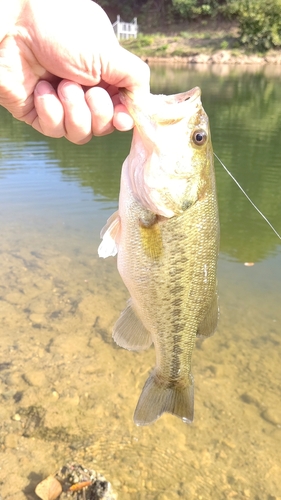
point(199, 137)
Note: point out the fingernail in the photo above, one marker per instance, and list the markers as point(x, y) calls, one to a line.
point(122, 120)
point(43, 88)
point(70, 91)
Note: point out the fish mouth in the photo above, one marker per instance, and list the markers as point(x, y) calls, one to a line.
point(189, 95)
point(161, 109)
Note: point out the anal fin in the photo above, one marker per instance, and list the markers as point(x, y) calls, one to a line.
point(129, 332)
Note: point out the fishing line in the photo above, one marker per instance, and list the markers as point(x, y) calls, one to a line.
point(248, 198)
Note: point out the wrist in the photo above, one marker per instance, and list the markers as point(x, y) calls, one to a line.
point(10, 12)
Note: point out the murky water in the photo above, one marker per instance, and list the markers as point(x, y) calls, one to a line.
point(67, 392)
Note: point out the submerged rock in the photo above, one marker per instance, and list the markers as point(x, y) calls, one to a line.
point(272, 415)
point(76, 482)
point(49, 489)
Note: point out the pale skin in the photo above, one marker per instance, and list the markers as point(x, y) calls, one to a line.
point(61, 67)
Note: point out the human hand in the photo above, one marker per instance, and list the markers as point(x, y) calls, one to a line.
point(61, 67)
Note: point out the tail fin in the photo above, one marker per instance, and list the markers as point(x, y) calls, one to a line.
point(156, 399)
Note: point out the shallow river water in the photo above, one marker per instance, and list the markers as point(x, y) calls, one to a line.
point(67, 392)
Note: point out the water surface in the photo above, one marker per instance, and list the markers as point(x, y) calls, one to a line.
point(67, 392)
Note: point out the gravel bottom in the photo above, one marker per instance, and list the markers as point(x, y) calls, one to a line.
point(68, 393)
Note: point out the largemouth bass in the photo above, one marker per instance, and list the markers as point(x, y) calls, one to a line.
point(166, 232)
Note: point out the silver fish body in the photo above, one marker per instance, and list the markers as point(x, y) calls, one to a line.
point(167, 234)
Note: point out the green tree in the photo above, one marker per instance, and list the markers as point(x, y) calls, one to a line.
point(196, 8)
point(259, 22)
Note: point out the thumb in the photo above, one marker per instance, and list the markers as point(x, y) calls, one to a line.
point(124, 69)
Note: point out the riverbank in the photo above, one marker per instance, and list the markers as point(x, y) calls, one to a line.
point(219, 57)
point(212, 42)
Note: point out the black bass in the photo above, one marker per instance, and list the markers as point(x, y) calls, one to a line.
point(166, 232)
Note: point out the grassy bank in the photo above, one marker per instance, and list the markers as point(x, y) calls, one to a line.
point(199, 43)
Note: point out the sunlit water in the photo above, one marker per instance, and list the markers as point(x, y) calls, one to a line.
point(67, 392)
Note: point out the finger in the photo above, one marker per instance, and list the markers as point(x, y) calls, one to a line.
point(49, 115)
point(77, 115)
point(125, 69)
point(102, 110)
point(122, 120)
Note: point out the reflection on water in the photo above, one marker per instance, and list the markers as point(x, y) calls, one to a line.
point(68, 393)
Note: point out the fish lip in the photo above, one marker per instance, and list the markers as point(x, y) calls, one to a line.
point(150, 111)
point(191, 94)
point(125, 93)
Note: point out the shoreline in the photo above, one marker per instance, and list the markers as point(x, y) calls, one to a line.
point(219, 57)
point(197, 43)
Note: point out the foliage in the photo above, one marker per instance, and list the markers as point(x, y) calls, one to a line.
point(155, 13)
point(136, 45)
point(144, 40)
point(259, 22)
point(224, 45)
point(127, 10)
point(195, 8)
point(185, 8)
point(160, 11)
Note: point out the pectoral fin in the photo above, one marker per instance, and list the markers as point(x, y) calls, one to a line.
point(209, 324)
point(110, 236)
point(129, 331)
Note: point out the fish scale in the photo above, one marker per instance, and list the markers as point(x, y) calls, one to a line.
point(167, 241)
